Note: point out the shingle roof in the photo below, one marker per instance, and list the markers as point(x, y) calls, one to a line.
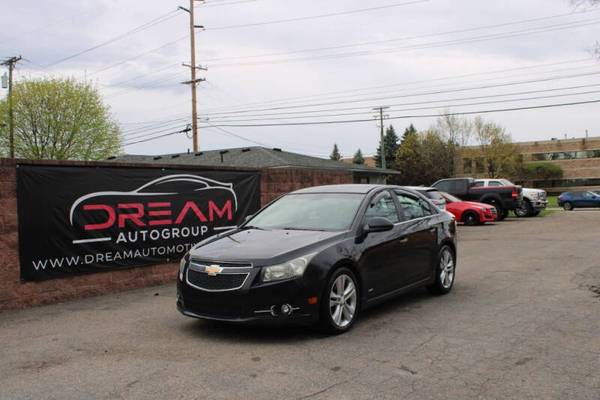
point(251, 157)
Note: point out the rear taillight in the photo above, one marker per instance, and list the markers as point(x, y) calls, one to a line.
point(515, 193)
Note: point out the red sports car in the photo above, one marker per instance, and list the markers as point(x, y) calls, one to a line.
point(470, 212)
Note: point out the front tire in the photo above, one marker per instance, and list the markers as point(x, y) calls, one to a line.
point(568, 206)
point(525, 210)
point(445, 272)
point(470, 218)
point(340, 302)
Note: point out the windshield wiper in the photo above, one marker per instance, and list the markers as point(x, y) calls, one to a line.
point(253, 227)
point(289, 228)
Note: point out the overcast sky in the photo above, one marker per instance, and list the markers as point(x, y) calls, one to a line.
point(395, 54)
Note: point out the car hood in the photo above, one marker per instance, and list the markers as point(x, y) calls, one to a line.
point(476, 204)
point(262, 247)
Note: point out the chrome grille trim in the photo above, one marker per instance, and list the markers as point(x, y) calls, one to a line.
point(200, 267)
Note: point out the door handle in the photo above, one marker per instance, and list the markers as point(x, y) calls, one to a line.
point(432, 230)
point(404, 239)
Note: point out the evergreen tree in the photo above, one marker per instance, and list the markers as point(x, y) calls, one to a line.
point(409, 160)
point(335, 153)
point(358, 158)
point(390, 140)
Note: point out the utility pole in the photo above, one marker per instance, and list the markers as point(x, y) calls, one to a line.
point(11, 62)
point(382, 142)
point(193, 82)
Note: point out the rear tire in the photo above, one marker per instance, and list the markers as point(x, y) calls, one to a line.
point(568, 206)
point(340, 302)
point(500, 212)
point(471, 218)
point(445, 271)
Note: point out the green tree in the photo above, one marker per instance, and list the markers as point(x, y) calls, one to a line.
point(60, 119)
point(390, 140)
point(335, 153)
point(501, 157)
point(409, 159)
point(358, 158)
point(437, 155)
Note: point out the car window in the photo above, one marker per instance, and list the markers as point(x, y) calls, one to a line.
point(479, 184)
point(413, 207)
point(589, 195)
point(495, 183)
point(383, 206)
point(443, 186)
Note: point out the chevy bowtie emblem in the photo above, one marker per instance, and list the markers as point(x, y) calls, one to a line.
point(213, 270)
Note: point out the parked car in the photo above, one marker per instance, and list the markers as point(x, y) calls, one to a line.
point(469, 212)
point(432, 194)
point(321, 255)
point(581, 199)
point(534, 200)
point(503, 198)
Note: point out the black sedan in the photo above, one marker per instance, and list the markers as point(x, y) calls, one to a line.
point(320, 255)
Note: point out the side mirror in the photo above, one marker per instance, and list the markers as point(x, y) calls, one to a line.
point(379, 224)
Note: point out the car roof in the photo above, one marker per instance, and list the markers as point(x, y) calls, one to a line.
point(421, 188)
point(350, 188)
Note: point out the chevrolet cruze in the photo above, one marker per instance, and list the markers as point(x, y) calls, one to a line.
point(321, 255)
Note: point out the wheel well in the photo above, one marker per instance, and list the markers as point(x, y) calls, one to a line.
point(449, 243)
point(352, 267)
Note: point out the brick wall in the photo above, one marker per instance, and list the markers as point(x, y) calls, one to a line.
point(17, 294)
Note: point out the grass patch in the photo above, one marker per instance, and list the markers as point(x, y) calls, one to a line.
point(546, 213)
point(552, 201)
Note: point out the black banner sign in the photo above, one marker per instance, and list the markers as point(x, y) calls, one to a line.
point(82, 219)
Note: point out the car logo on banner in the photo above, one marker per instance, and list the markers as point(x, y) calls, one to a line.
point(169, 201)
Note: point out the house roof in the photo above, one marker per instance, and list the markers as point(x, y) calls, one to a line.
point(251, 157)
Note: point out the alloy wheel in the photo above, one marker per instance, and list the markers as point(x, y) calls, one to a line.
point(342, 301)
point(446, 268)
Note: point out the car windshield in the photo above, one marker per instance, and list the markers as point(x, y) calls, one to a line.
point(310, 211)
point(451, 199)
point(434, 195)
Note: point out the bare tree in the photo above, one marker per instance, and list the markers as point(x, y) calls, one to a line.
point(583, 4)
point(457, 130)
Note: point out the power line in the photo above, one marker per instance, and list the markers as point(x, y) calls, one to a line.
point(445, 106)
point(334, 14)
point(414, 116)
point(311, 113)
point(137, 29)
point(381, 98)
point(158, 137)
point(453, 42)
point(451, 32)
point(442, 78)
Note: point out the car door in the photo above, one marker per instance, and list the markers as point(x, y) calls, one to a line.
point(589, 200)
point(381, 250)
point(419, 232)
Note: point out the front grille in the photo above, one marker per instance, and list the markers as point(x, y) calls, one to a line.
point(220, 282)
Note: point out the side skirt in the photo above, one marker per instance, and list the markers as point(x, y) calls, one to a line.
point(368, 303)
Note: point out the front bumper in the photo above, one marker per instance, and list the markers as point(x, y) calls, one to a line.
point(251, 304)
point(539, 204)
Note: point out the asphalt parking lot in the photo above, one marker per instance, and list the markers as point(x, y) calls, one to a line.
point(523, 322)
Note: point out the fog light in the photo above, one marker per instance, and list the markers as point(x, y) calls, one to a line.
point(286, 309)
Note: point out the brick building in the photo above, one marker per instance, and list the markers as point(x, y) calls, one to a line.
point(578, 158)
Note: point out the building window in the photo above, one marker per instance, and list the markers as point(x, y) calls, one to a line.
point(565, 155)
point(479, 165)
point(467, 165)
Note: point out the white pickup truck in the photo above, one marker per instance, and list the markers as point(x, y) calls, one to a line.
point(534, 200)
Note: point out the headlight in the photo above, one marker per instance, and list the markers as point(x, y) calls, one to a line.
point(182, 265)
point(291, 269)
